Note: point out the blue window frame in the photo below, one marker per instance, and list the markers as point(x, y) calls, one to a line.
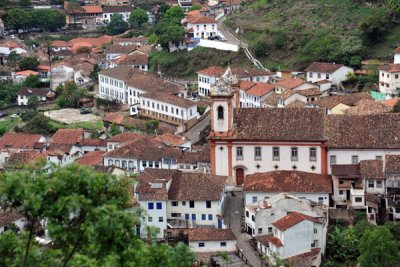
point(159, 205)
point(187, 217)
point(193, 217)
point(210, 217)
point(150, 206)
point(203, 217)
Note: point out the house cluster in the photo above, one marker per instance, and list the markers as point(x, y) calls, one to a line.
point(310, 155)
point(148, 95)
point(261, 88)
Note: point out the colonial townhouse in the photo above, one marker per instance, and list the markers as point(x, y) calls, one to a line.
point(389, 80)
point(202, 27)
point(288, 84)
point(115, 50)
point(311, 186)
point(169, 108)
point(392, 172)
point(251, 94)
point(298, 238)
point(170, 194)
point(135, 60)
point(138, 155)
point(123, 139)
point(139, 41)
point(208, 77)
point(87, 15)
point(281, 100)
point(340, 103)
point(11, 143)
point(109, 11)
point(336, 73)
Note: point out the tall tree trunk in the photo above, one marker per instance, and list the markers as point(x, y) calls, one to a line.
point(28, 245)
point(73, 251)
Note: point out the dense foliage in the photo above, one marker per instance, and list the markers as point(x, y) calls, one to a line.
point(69, 95)
point(89, 218)
point(138, 17)
point(117, 24)
point(45, 19)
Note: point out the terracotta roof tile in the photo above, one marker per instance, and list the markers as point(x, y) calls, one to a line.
point(60, 148)
point(348, 99)
point(92, 9)
point(59, 43)
point(169, 139)
point(290, 83)
point(92, 158)
point(138, 39)
point(126, 137)
point(120, 49)
point(116, 118)
point(323, 67)
point(309, 92)
point(210, 234)
point(392, 165)
point(23, 158)
point(288, 181)
point(41, 92)
point(95, 42)
point(132, 59)
point(93, 142)
point(346, 169)
point(279, 124)
point(7, 218)
point(208, 187)
point(260, 89)
point(19, 141)
point(195, 157)
point(26, 73)
point(392, 68)
point(304, 259)
point(243, 72)
point(214, 71)
point(397, 50)
point(201, 20)
point(117, 9)
point(68, 136)
point(367, 107)
point(391, 102)
point(371, 169)
point(275, 241)
point(292, 219)
point(296, 104)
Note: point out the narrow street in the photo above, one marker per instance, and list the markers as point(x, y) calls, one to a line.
point(233, 219)
point(194, 132)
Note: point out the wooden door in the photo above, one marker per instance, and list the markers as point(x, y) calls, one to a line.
point(239, 176)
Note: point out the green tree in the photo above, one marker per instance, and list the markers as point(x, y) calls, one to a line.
point(8, 92)
point(194, 7)
point(39, 124)
point(138, 17)
point(29, 63)
point(393, 6)
point(152, 125)
point(13, 59)
point(343, 245)
point(117, 24)
point(396, 107)
point(379, 248)
point(25, 3)
point(33, 102)
point(17, 19)
point(94, 74)
point(114, 129)
point(88, 218)
point(32, 81)
point(175, 14)
point(74, 9)
point(48, 19)
point(169, 31)
point(69, 95)
point(375, 24)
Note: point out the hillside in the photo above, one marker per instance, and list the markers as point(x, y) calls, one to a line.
point(292, 33)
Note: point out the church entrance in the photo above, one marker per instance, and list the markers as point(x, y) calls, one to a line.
point(239, 176)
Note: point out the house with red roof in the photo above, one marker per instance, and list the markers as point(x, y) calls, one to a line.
point(336, 73)
point(389, 80)
point(85, 15)
point(20, 76)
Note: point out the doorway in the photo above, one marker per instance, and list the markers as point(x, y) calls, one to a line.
point(239, 176)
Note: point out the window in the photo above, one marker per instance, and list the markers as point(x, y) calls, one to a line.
point(340, 192)
point(150, 164)
point(160, 219)
point(247, 214)
point(150, 219)
point(310, 74)
point(253, 218)
point(150, 206)
point(315, 231)
point(259, 231)
point(332, 159)
point(208, 204)
point(239, 152)
point(220, 112)
point(378, 157)
point(371, 184)
point(123, 164)
point(117, 163)
point(174, 203)
point(254, 199)
point(269, 229)
point(183, 203)
point(159, 205)
point(187, 217)
point(223, 244)
point(313, 154)
point(191, 204)
point(257, 153)
point(193, 217)
point(319, 75)
point(275, 153)
point(210, 217)
point(321, 200)
point(201, 245)
point(358, 199)
point(203, 217)
point(378, 184)
point(294, 154)
point(327, 76)
point(110, 162)
point(156, 164)
point(354, 159)
point(396, 76)
point(175, 215)
point(144, 164)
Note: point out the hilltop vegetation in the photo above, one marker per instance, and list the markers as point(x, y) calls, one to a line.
point(297, 32)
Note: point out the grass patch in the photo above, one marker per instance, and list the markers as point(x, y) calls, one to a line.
point(86, 125)
point(8, 124)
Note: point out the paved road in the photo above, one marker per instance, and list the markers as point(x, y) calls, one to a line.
point(194, 132)
point(233, 219)
point(230, 37)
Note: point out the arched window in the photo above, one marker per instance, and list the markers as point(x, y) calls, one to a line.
point(110, 162)
point(220, 112)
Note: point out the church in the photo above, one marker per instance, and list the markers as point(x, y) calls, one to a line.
point(244, 141)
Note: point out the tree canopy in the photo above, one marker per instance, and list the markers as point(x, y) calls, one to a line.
point(45, 19)
point(174, 13)
point(117, 24)
point(69, 95)
point(29, 63)
point(89, 218)
point(138, 17)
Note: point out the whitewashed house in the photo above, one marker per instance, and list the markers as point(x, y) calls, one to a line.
point(116, 50)
point(296, 235)
point(109, 11)
point(211, 240)
point(389, 79)
point(336, 73)
point(392, 172)
point(61, 73)
point(260, 215)
point(396, 59)
point(9, 218)
point(311, 186)
point(25, 93)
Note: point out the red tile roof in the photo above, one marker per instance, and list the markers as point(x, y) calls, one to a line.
point(288, 181)
point(397, 50)
point(290, 83)
point(23, 158)
point(371, 169)
point(92, 9)
point(116, 118)
point(59, 43)
point(92, 158)
point(19, 141)
point(26, 73)
point(210, 234)
point(171, 139)
point(346, 169)
point(348, 99)
point(9, 217)
point(323, 67)
point(392, 68)
point(213, 71)
point(201, 20)
point(170, 99)
point(392, 165)
point(68, 136)
point(260, 89)
point(95, 42)
point(126, 137)
point(391, 102)
point(292, 219)
point(132, 59)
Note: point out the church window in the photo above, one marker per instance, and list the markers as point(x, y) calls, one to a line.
point(220, 112)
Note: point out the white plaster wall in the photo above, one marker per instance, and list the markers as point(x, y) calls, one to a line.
point(388, 78)
point(199, 209)
point(248, 196)
point(213, 246)
point(155, 214)
point(110, 88)
point(221, 159)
